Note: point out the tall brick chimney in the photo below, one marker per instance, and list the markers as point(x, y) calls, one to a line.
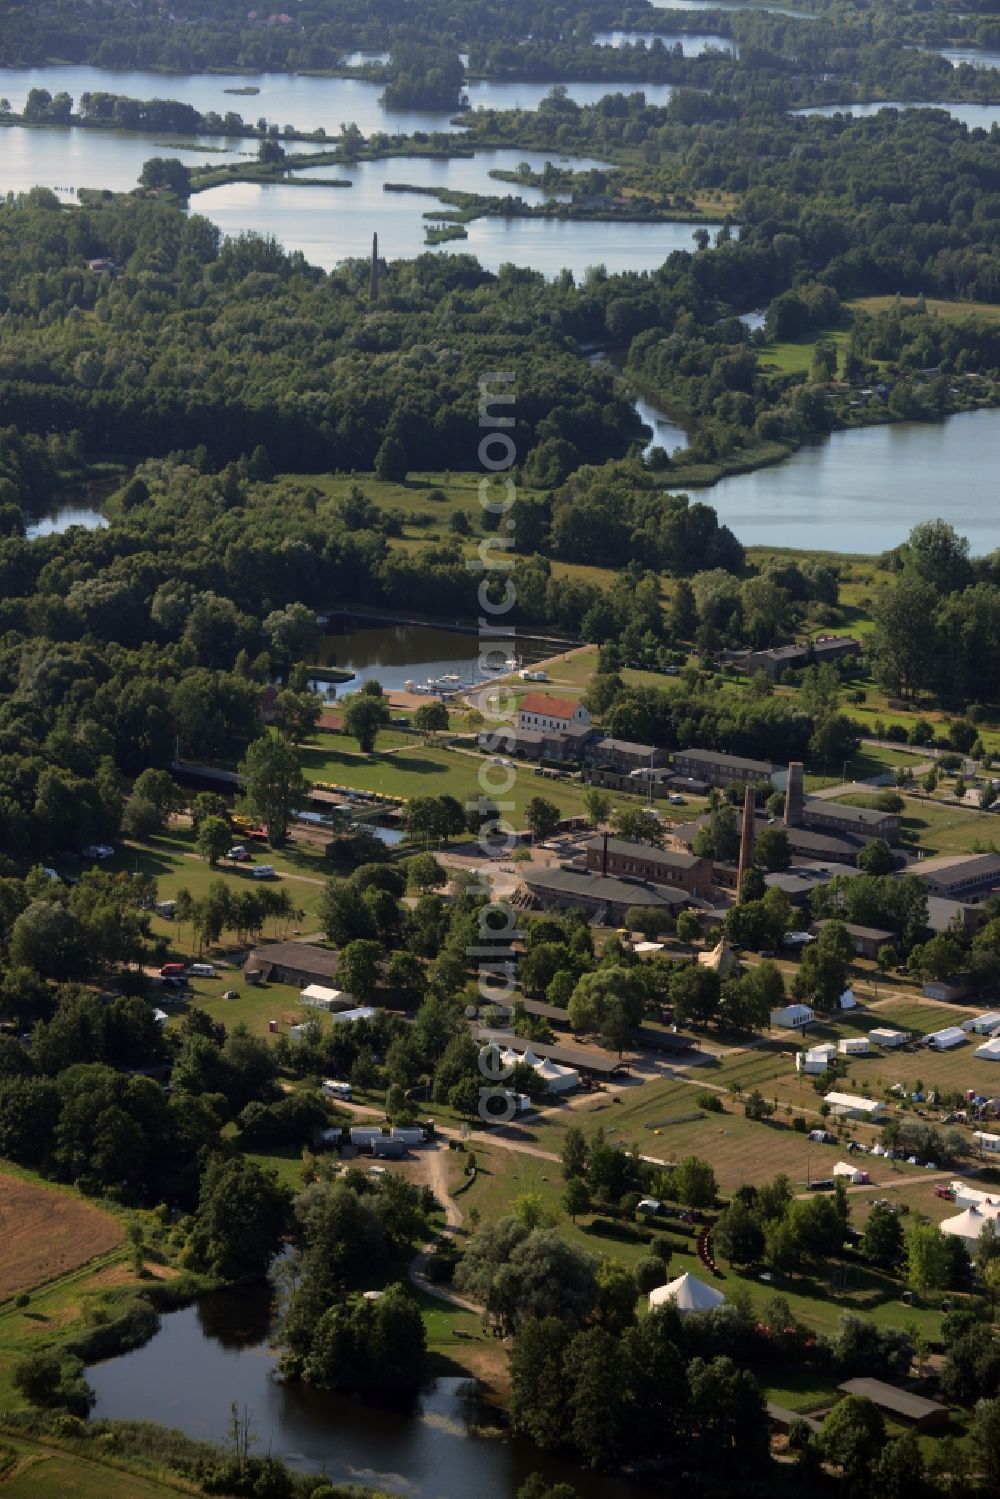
point(747, 831)
point(794, 795)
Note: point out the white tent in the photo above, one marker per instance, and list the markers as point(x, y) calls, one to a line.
point(853, 1046)
point(687, 1294)
point(320, 997)
point(983, 1025)
point(559, 1079)
point(989, 1051)
point(363, 1012)
point(850, 1173)
point(847, 1000)
point(944, 1040)
point(968, 1225)
point(529, 1059)
point(816, 1060)
point(721, 960)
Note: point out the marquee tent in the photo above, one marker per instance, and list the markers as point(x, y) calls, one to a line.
point(688, 1294)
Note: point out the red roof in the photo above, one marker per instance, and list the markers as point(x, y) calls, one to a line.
point(549, 707)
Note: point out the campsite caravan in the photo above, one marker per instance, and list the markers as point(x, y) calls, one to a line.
point(408, 1135)
point(363, 1135)
point(332, 1089)
point(792, 1017)
point(816, 1060)
point(854, 1046)
point(887, 1038)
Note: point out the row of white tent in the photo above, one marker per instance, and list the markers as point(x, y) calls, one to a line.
point(560, 1079)
point(688, 1294)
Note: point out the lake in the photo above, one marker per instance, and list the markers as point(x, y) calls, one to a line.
point(394, 654)
point(863, 490)
point(690, 45)
point(976, 57)
point(973, 115)
point(306, 103)
point(747, 6)
point(209, 1356)
point(329, 224)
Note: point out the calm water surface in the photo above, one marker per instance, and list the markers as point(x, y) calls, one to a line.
point(394, 654)
point(54, 522)
point(306, 103)
point(863, 490)
point(691, 45)
point(982, 115)
point(975, 56)
point(208, 1356)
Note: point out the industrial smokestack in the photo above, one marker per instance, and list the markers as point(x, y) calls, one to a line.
point(747, 832)
point(794, 795)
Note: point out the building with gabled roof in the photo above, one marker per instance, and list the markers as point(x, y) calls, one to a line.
point(542, 711)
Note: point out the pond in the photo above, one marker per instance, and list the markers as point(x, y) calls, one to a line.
point(864, 489)
point(395, 654)
point(53, 522)
point(747, 6)
point(211, 1355)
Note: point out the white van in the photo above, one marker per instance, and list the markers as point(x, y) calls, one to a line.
point(265, 872)
point(201, 970)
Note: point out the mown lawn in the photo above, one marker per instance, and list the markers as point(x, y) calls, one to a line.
point(793, 356)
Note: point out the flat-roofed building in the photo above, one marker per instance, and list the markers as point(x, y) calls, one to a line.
point(718, 769)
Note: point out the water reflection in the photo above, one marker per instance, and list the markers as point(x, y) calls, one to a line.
point(197, 1366)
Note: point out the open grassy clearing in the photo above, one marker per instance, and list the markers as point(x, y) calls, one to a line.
point(793, 356)
point(938, 828)
point(45, 1473)
point(936, 307)
point(46, 1232)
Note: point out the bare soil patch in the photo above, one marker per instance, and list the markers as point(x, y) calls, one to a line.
point(46, 1233)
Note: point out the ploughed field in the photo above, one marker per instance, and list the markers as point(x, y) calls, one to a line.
point(44, 1234)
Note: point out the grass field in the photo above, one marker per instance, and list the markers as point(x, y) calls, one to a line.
point(45, 1473)
point(45, 1233)
point(794, 355)
point(939, 828)
point(936, 307)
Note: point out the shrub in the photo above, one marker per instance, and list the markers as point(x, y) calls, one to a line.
point(710, 1102)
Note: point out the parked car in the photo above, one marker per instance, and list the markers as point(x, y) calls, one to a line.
point(201, 970)
point(678, 801)
point(172, 971)
point(265, 872)
point(238, 853)
point(98, 851)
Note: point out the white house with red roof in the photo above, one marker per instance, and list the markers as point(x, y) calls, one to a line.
point(543, 713)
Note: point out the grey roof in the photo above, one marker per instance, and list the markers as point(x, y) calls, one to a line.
point(626, 747)
point(891, 1398)
point(670, 857)
point(871, 933)
point(318, 961)
point(589, 1060)
point(602, 888)
point(823, 811)
point(957, 865)
point(572, 731)
point(941, 911)
point(734, 762)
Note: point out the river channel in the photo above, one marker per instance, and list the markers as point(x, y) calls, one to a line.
point(215, 1353)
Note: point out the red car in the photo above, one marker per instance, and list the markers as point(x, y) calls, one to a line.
point(172, 971)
